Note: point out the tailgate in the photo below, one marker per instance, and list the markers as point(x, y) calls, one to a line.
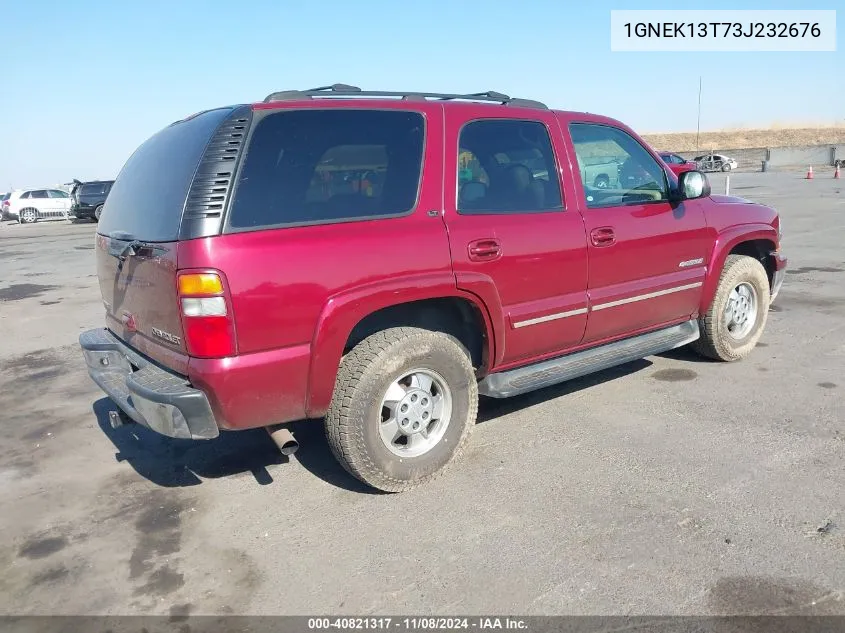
point(139, 295)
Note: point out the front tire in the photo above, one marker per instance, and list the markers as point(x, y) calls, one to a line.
point(404, 405)
point(737, 315)
point(97, 212)
point(726, 167)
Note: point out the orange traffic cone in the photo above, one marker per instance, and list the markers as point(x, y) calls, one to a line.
point(810, 173)
point(836, 173)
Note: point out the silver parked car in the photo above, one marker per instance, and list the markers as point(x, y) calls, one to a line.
point(715, 162)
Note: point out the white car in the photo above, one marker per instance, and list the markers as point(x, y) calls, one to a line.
point(715, 162)
point(30, 205)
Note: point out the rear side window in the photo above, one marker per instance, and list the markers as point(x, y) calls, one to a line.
point(55, 193)
point(39, 194)
point(25, 195)
point(148, 196)
point(92, 188)
point(317, 166)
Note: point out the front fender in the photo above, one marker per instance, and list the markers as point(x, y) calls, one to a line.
point(726, 241)
point(344, 311)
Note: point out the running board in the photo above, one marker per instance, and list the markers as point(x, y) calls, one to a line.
point(551, 372)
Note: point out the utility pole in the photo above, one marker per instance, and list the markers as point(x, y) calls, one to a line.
point(698, 125)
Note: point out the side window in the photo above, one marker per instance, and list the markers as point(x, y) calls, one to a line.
point(55, 193)
point(348, 169)
point(39, 194)
point(615, 169)
point(25, 195)
point(92, 189)
point(316, 166)
point(470, 169)
point(507, 166)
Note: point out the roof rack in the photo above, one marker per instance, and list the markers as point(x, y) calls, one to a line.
point(346, 91)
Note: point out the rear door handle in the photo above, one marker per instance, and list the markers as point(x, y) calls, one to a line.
point(484, 250)
point(603, 236)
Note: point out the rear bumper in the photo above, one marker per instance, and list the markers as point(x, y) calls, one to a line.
point(779, 275)
point(80, 211)
point(149, 394)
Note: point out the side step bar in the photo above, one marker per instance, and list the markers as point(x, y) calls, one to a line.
point(551, 372)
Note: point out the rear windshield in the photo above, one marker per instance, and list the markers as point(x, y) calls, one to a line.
point(315, 166)
point(148, 195)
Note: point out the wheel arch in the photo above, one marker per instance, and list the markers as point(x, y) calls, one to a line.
point(432, 303)
point(757, 241)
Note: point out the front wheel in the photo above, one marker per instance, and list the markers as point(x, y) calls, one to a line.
point(97, 213)
point(404, 404)
point(737, 315)
point(726, 167)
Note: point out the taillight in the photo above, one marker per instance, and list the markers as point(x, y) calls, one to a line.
point(206, 315)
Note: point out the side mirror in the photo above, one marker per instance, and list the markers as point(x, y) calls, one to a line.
point(692, 185)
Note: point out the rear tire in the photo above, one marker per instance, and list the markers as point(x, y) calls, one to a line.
point(737, 315)
point(27, 216)
point(97, 212)
point(726, 167)
point(400, 370)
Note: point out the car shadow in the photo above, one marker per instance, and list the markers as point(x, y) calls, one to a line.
point(492, 408)
point(171, 463)
point(685, 354)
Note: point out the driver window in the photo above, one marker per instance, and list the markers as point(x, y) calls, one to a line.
point(615, 169)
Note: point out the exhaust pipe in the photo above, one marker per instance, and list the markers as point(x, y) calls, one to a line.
point(284, 439)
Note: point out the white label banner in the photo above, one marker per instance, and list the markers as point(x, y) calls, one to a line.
point(723, 30)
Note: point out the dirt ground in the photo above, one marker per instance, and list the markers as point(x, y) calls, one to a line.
point(743, 139)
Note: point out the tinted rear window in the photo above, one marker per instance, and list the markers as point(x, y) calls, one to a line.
point(148, 195)
point(314, 166)
point(92, 188)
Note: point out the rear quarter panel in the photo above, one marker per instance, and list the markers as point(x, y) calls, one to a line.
point(297, 292)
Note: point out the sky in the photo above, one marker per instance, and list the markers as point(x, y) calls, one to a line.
point(83, 86)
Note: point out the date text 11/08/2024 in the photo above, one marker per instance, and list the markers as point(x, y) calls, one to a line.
point(421, 624)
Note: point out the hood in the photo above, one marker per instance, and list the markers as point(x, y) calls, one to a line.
point(720, 199)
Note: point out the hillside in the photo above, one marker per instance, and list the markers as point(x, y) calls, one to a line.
point(742, 139)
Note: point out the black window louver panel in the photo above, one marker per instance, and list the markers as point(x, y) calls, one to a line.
point(213, 181)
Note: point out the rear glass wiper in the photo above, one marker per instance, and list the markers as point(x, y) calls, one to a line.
point(132, 248)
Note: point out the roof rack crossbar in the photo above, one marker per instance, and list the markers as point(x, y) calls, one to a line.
point(345, 91)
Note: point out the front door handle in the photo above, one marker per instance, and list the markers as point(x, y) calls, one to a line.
point(603, 236)
point(484, 250)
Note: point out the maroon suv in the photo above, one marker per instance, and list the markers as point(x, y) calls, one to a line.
point(379, 259)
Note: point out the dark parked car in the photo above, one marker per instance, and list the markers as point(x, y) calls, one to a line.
point(89, 198)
